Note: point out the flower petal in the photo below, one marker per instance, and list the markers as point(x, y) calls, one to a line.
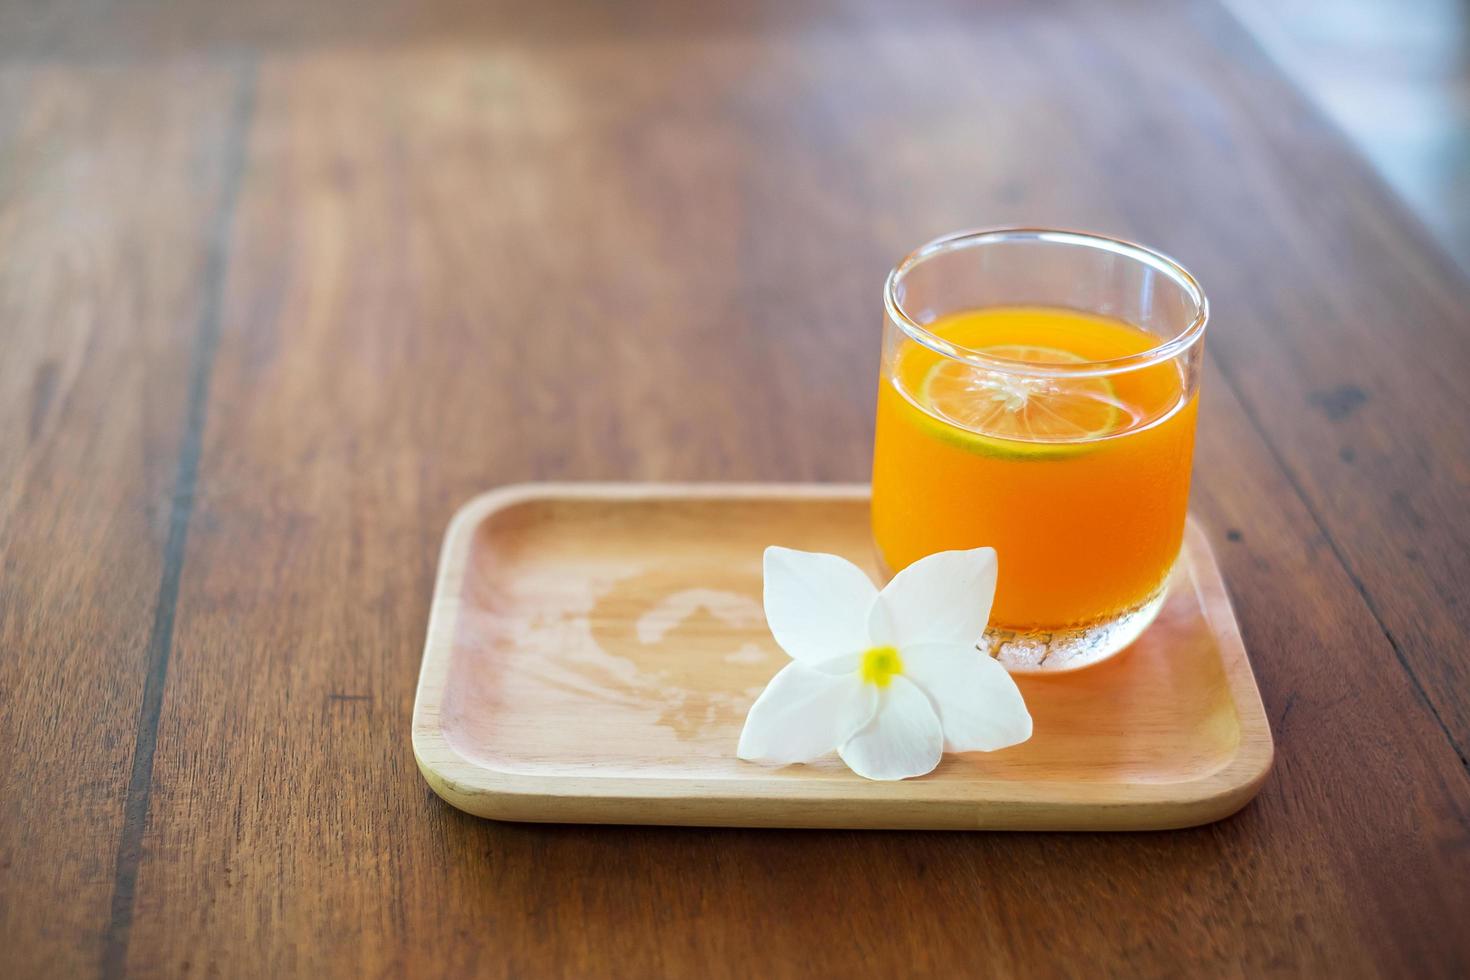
point(942, 598)
point(978, 703)
point(904, 738)
point(881, 629)
point(803, 714)
point(817, 605)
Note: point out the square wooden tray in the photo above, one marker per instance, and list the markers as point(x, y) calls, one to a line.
point(592, 651)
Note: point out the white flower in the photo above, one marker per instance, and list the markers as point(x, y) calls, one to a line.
point(890, 679)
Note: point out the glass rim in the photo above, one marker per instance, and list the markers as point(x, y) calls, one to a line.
point(957, 241)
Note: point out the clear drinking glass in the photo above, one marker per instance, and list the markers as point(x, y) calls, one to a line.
point(1038, 394)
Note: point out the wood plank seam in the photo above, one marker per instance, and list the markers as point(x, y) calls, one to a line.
point(181, 508)
point(1445, 265)
point(1337, 554)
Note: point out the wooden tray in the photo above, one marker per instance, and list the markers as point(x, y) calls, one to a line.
point(593, 649)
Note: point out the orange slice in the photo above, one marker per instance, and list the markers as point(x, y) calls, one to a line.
point(999, 413)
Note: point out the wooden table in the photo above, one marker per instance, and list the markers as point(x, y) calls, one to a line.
point(282, 285)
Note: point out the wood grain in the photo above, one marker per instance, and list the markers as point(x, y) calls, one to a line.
point(593, 650)
point(477, 244)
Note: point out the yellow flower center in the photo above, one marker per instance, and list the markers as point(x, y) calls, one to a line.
point(880, 664)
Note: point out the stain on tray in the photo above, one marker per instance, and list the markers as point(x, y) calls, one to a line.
point(701, 654)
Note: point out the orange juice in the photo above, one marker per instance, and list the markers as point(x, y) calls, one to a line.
point(1080, 483)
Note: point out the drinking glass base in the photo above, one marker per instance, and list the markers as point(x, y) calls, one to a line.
point(1064, 650)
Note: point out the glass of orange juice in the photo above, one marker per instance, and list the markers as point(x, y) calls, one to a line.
point(1038, 395)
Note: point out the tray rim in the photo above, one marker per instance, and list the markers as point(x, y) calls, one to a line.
point(476, 788)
